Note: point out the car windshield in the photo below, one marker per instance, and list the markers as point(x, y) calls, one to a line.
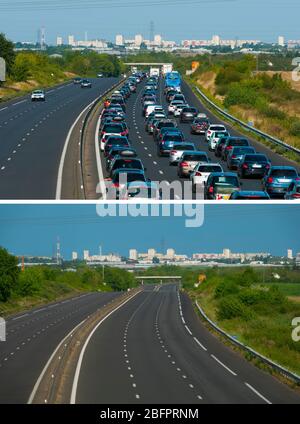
point(217, 128)
point(116, 142)
point(184, 147)
point(242, 150)
point(166, 125)
point(220, 134)
point(190, 110)
point(193, 157)
point(129, 177)
point(238, 142)
point(201, 121)
point(225, 181)
point(256, 158)
point(112, 128)
point(128, 163)
point(209, 168)
point(172, 137)
point(290, 173)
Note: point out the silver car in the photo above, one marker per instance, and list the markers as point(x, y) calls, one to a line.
point(189, 160)
point(177, 151)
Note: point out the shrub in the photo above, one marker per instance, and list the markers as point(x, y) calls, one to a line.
point(30, 281)
point(226, 288)
point(8, 274)
point(231, 307)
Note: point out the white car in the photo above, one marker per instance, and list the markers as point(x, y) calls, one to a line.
point(178, 109)
point(38, 96)
point(172, 106)
point(201, 173)
point(214, 127)
point(104, 138)
point(215, 137)
point(153, 108)
point(202, 116)
point(177, 150)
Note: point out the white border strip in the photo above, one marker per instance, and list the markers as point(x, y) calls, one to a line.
point(79, 363)
point(37, 384)
point(98, 161)
point(63, 156)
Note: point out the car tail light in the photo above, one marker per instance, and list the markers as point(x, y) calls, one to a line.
point(228, 147)
point(173, 152)
point(183, 164)
point(233, 157)
point(268, 166)
point(296, 195)
point(123, 133)
point(211, 190)
point(198, 174)
point(270, 180)
point(297, 179)
point(245, 166)
point(116, 185)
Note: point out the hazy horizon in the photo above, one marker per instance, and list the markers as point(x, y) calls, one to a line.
point(21, 19)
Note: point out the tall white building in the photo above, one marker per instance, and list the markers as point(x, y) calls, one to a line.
point(158, 40)
point(170, 253)
point(74, 256)
point(281, 41)
point(86, 255)
point(227, 253)
point(133, 254)
point(59, 41)
point(71, 40)
point(120, 40)
point(290, 254)
point(216, 40)
point(151, 253)
point(138, 39)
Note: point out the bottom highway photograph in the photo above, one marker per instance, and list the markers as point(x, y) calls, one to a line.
point(106, 308)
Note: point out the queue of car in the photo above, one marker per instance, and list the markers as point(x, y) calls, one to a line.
point(242, 159)
point(126, 173)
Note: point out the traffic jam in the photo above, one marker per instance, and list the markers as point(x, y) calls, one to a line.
point(126, 175)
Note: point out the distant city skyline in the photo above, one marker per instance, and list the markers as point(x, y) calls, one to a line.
point(229, 18)
point(33, 230)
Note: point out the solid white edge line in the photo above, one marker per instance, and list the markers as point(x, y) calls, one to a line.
point(98, 160)
point(63, 156)
point(79, 363)
point(38, 382)
point(223, 365)
point(188, 330)
point(200, 344)
point(258, 394)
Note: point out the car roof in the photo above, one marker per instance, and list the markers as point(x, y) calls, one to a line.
point(223, 174)
point(210, 164)
point(253, 193)
point(130, 171)
point(283, 167)
point(197, 152)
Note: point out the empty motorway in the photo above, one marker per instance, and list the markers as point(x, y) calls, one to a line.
point(32, 137)
point(154, 350)
point(33, 336)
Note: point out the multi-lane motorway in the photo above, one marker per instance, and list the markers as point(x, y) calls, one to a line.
point(151, 349)
point(155, 350)
point(158, 168)
point(33, 336)
point(32, 137)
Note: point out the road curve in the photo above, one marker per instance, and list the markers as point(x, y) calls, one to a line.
point(32, 137)
point(154, 350)
point(33, 336)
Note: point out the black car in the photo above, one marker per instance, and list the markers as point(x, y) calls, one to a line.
point(232, 142)
point(120, 162)
point(115, 141)
point(122, 151)
point(86, 84)
point(188, 114)
point(253, 165)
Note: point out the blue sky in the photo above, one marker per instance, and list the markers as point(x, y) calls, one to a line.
point(33, 229)
point(259, 19)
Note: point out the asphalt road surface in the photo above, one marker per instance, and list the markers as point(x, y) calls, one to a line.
point(32, 137)
point(155, 350)
point(32, 337)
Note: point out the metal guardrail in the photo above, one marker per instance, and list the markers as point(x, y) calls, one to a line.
point(85, 122)
point(289, 374)
point(248, 127)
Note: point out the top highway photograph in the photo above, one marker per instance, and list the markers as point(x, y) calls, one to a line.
point(148, 108)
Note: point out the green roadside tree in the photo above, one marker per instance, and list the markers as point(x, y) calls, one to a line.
point(7, 52)
point(8, 274)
